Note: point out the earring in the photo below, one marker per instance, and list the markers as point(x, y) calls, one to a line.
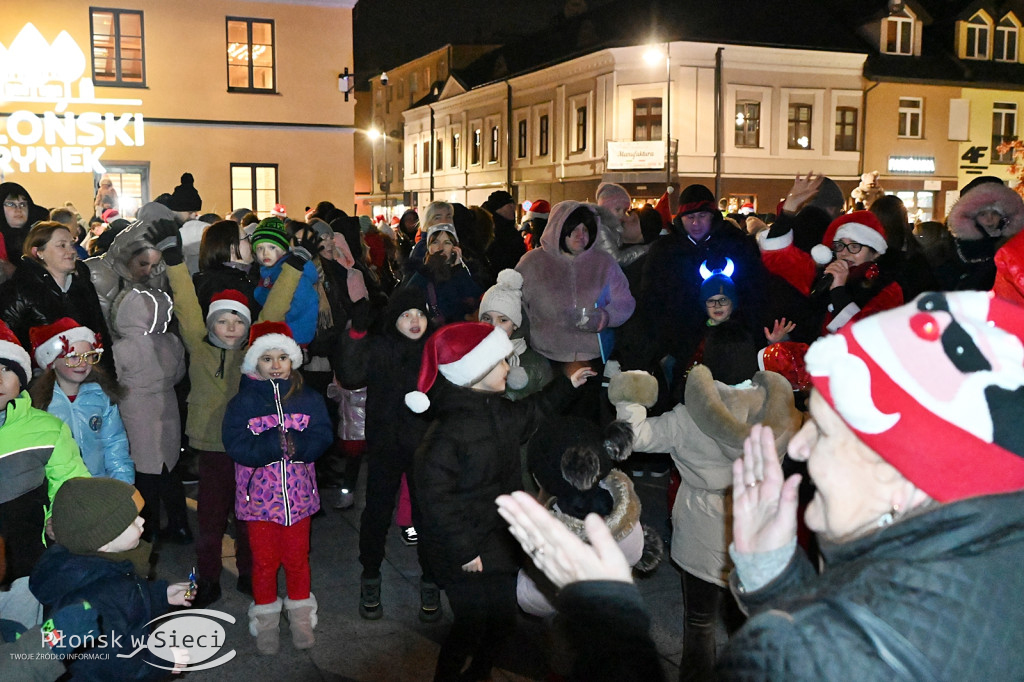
point(888, 517)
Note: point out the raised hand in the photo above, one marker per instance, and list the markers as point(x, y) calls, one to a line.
point(803, 190)
point(580, 376)
point(764, 506)
point(779, 331)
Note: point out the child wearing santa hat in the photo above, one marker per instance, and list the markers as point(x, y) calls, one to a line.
point(468, 457)
point(76, 389)
point(274, 429)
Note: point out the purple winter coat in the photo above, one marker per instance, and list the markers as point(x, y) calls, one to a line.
point(274, 445)
point(556, 284)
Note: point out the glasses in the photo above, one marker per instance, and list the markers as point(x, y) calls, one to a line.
point(717, 302)
point(76, 359)
point(19, 205)
point(852, 247)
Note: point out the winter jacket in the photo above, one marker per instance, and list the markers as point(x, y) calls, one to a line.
point(456, 298)
point(31, 298)
point(214, 373)
point(507, 247)
point(14, 238)
point(302, 313)
point(214, 280)
point(124, 603)
point(946, 579)
point(705, 436)
point(274, 446)
point(609, 240)
point(556, 284)
point(97, 428)
point(1009, 282)
point(150, 361)
point(468, 457)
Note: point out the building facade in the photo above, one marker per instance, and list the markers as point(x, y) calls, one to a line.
point(240, 94)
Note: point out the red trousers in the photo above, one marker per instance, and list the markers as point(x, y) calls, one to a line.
point(274, 545)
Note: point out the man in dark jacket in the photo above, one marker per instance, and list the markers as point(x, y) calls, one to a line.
point(508, 246)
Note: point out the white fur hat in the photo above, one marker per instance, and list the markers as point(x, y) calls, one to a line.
point(264, 336)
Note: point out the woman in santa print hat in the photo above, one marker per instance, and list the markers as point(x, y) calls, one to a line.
point(469, 456)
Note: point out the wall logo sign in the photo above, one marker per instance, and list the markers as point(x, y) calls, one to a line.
point(74, 136)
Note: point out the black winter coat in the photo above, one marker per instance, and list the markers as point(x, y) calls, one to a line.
point(469, 456)
point(507, 247)
point(214, 280)
point(948, 580)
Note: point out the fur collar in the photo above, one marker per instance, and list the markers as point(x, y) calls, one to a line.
point(625, 507)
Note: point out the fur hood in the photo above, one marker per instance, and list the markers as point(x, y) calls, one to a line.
point(990, 195)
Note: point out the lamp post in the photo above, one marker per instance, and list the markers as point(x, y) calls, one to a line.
point(653, 56)
point(382, 177)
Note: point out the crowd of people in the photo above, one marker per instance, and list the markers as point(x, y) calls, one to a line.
point(467, 359)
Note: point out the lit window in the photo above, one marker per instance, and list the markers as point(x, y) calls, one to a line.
point(118, 52)
point(254, 186)
point(898, 33)
point(1004, 129)
point(495, 135)
point(799, 126)
point(426, 155)
point(976, 43)
point(911, 115)
point(748, 124)
point(475, 151)
point(846, 129)
point(1005, 48)
point(456, 149)
point(647, 119)
point(438, 154)
point(250, 55)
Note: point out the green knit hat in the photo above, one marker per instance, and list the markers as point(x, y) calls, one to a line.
point(90, 512)
point(271, 230)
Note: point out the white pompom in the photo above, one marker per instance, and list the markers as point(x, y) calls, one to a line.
point(821, 254)
point(417, 401)
point(510, 279)
point(517, 378)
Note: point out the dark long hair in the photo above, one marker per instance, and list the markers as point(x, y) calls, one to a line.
point(218, 241)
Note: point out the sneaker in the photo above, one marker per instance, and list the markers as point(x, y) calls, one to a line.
point(430, 602)
point(369, 598)
point(346, 499)
point(409, 535)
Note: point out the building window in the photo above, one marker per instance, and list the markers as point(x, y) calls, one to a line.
point(1005, 48)
point(438, 154)
point(748, 124)
point(254, 185)
point(1004, 129)
point(456, 150)
point(846, 129)
point(580, 140)
point(495, 135)
point(647, 119)
point(131, 181)
point(426, 155)
point(474, 158)
point(543, 135)
point(414, 152)
point(118, 52)
point(250, 55)
point(911, 117)
point(521, 138)
point(898, 33)
point(976, 44)
point(800, 126)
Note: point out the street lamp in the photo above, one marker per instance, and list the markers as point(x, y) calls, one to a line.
point(653, 56)
point(383, 178)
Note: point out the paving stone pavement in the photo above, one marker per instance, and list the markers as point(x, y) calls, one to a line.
point(396, 648)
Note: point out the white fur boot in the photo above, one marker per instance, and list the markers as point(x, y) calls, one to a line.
point(302, 620)
point(264, 625)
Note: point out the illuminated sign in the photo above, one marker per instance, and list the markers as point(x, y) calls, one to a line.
point(911, 164)
point(636, 155)
point(59, 141)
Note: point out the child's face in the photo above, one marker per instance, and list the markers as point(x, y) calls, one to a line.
point(494, 381)
point(230, 328)
point(268, 254)
point(719, 308)
point(76, 366)
point(274, 364)
point(496, 319)
point(412, 324)
point(10, 386)
point(128, 539)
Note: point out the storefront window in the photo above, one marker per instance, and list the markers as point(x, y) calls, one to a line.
point(920, 205)
point(250, 55)
point(118, 54)
point(254, 186)
point(131, 182)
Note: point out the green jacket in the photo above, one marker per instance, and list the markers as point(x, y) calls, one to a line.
point(215, 372)
point(35, 446)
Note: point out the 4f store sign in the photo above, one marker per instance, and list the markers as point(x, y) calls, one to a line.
point(33, 71)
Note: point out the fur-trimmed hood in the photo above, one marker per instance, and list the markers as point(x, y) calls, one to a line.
point(990, 195)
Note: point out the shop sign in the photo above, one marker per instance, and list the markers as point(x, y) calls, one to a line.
point(636, 155)
point(59, 141)
point(912, 164)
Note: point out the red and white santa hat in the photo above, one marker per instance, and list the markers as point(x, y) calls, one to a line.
point(232, 300)
point(538, 209)
point(264, 336)
point(463, 353)
point(279, 211)
point(860, 226)
point(936, 388)
point(54, 340)
point(12, 355)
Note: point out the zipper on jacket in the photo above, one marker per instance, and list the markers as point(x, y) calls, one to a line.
point(284, 453)
point(284, 493)
point(220, 369)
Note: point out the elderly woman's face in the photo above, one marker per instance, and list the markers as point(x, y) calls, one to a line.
point(854, 485)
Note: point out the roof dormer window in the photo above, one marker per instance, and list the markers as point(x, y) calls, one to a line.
point(1004, 48)
point(977, 34)
point(898, 32)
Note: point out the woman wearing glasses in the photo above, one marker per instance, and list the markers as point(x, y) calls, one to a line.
point(74, 388)
point(51, 283)
point(19, 213)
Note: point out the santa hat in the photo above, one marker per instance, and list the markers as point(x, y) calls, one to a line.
point(264, 336)
point(279, 211)
point(110, 214)
point(935, 388)
point(860, 226)
point(52, 341)
point(463, 353)
point(13, 356)
point(232, 300)
point(538, 209)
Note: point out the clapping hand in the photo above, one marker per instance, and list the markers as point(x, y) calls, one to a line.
point(763, 504)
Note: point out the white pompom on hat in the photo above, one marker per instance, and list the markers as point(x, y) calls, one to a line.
point(264, 336)
point(52, 341)
point(463, 353)
point(862, 227)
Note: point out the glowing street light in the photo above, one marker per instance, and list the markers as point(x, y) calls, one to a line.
point(653, 56)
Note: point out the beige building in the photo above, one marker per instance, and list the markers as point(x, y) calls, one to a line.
point(244, 95)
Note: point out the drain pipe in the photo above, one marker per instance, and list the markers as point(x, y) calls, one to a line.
point(718, 122)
